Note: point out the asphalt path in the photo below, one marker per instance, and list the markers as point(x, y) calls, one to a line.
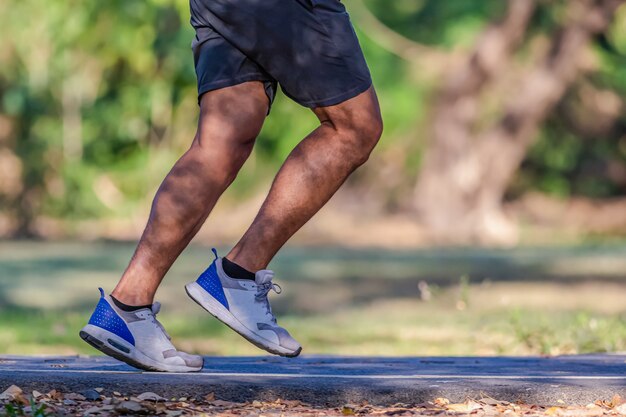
point(321, 380)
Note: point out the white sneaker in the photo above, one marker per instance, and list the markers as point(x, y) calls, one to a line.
point(136, 337)
point(242, 304)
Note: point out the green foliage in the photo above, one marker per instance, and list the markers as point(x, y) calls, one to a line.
point(104, 92)
point(443, 24)
point(15, 410)
point(581, 331)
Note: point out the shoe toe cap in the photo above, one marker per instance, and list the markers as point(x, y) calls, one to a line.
point(192, 361)
point(285, 340)
point(290, 343)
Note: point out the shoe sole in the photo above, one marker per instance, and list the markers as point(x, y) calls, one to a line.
point(217, 310)
point(112, 345)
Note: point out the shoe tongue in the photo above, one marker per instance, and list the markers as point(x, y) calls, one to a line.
point(263, 276)
point(156, 307)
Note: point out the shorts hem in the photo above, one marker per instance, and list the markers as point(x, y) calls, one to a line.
point(231, 82)
point(334, 100)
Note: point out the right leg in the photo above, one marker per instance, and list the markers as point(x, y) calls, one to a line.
point(230, 120)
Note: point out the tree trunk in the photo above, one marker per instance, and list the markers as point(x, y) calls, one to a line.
point(467, 167)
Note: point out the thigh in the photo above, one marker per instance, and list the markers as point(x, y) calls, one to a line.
point(308, 46)
point(233, 114)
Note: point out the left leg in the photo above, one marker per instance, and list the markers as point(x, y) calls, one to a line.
point(310, 176)
point(312, 50)
point(312, 173)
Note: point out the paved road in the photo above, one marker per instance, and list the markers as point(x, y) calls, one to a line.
point(339, 380)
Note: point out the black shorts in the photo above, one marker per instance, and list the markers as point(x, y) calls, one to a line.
point(309, 47)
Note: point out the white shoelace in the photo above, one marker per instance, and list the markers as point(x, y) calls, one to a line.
point(156, 307)
point(261, 295)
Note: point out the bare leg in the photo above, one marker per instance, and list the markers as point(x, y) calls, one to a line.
point(310, 176)
point(230, 120)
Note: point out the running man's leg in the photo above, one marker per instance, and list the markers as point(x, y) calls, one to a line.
point(310, 176)
point(230, 120)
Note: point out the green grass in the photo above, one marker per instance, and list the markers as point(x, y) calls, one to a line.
point(342, 302)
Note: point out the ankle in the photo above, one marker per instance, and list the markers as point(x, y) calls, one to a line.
point(131, 298)
point(234, 270)
point(128, 307)
point(245, 262)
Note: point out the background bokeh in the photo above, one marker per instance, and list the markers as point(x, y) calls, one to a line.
point(504, 148)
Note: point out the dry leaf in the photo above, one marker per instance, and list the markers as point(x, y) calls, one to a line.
point(209, 397)
point(93, 410)
point(97, 410)
point(11, 393)
point(441, 402)
point(490, 401)
point(289, 403)
point(150, 396)
point(467, 407)
point(220, 403)
point(396, 411)
point(73, 396)
point(347, 411)
point(129, 407)
point(616, 400)
point(90, 394)
point(553, 411)
point(55, 395)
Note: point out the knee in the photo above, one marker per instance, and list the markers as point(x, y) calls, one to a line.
point(361, 134)
point(224, 152)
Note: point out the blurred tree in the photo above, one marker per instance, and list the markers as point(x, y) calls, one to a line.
point(489, 110)
point(84, 89)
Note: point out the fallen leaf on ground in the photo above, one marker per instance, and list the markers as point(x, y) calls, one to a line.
point(150, 396)
point(466, 407)
point(55, 395)
point(221, 403)
point(75, 397)
point(441, 402)
point(616, 401)
point(90, 394)
point(397, 411)
point(98, 410)
point(128, 407)
point(11, 393)
point(93, 410)
point(209, 397)
point(347, 411)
